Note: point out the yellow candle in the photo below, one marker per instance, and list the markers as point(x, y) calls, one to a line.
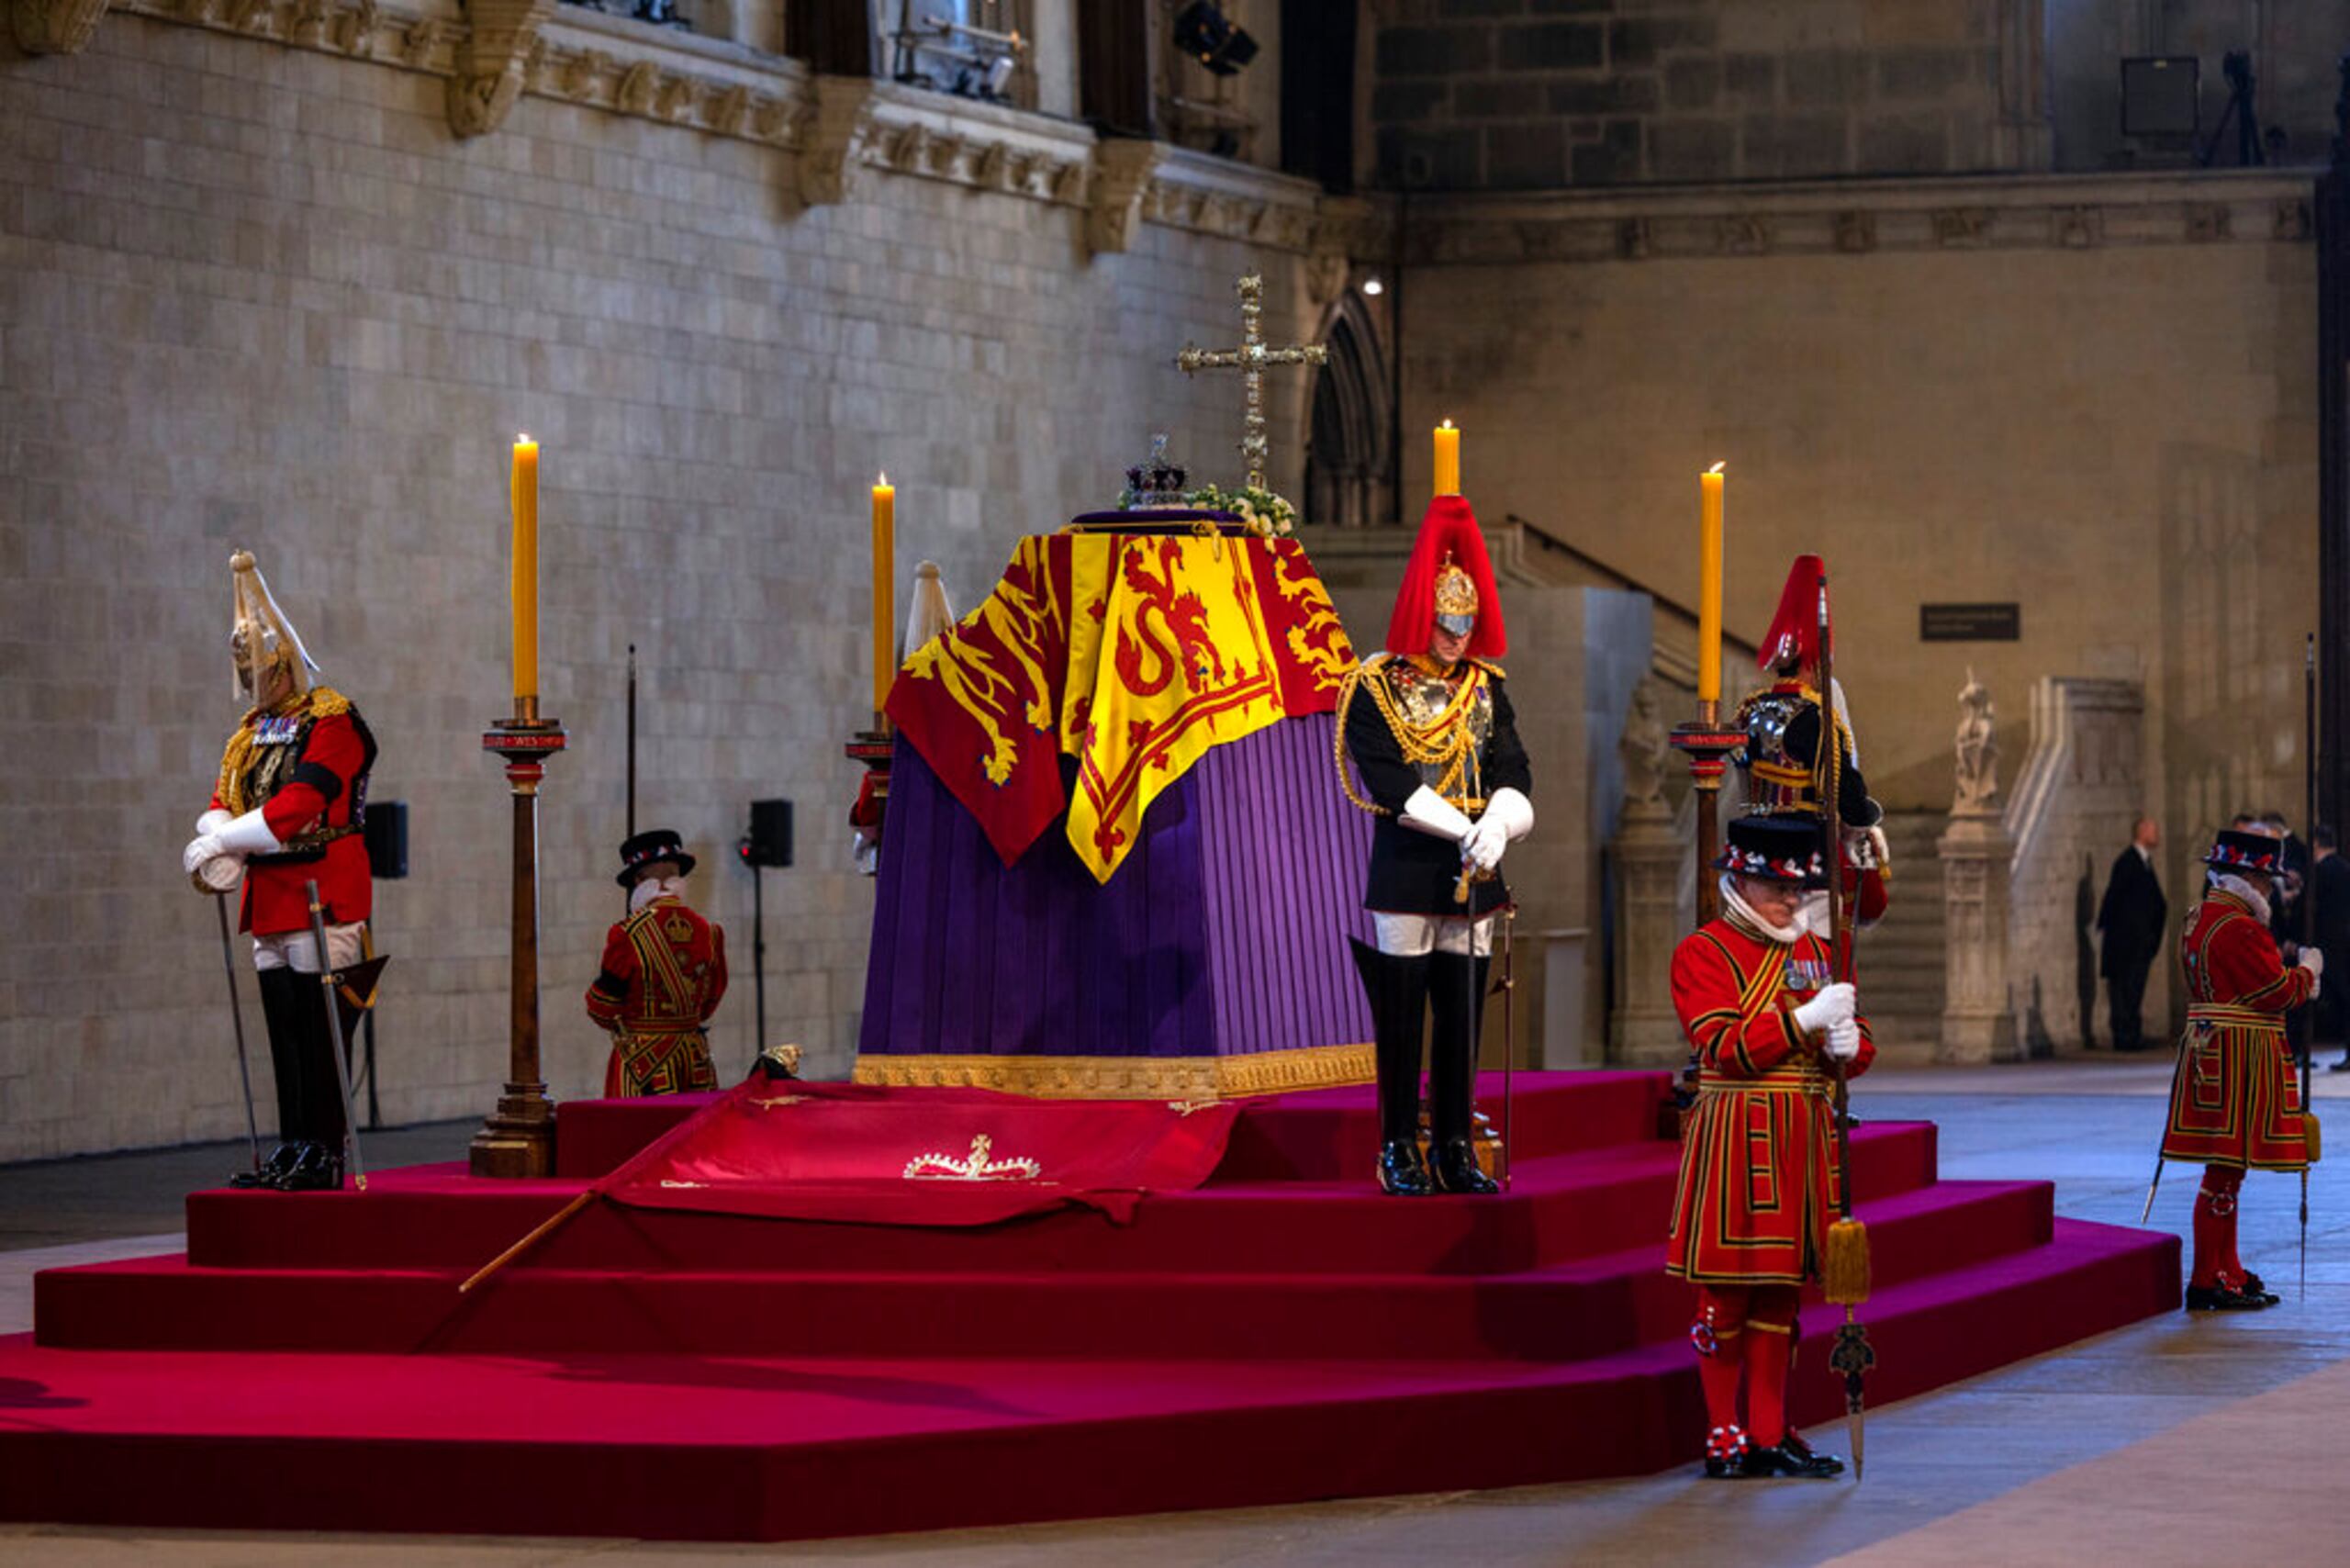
point(1709, 585)
point(885, 597)
point(1448, 460)
point(526, 566)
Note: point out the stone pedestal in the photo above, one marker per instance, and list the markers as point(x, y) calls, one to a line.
point(1978, 1016)
point(1647, 855)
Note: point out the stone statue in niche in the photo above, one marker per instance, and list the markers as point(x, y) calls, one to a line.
point(1644, 748)
point(1977, 777)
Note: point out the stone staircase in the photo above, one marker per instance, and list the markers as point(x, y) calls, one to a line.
point(1901, 959)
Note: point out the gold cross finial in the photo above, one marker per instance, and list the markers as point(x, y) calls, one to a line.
point(1251, 359)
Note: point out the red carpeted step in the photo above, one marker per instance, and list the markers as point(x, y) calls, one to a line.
point(1590, 1307)
point(1322, 1135)
point(755, 1449)
point(1560, 1206)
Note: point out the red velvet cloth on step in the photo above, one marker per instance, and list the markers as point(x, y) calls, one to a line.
point(869, 1155)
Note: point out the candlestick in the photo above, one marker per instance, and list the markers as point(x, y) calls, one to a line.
point(885, 597)
point(1448, 460)
point(526, 570)
point(1709, 590)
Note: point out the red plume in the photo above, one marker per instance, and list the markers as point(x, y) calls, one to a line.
point(1794, 630)
point(1449, 532)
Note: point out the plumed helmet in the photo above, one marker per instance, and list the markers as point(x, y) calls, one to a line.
point(1449, 581)
point(262, 641)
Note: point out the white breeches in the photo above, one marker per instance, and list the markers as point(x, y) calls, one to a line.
point(1410, 935)
point(294, 949)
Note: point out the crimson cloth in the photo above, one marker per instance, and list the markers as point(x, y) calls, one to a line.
point(328, 779)
point(2233, 1099)
point(870, 1155)
point(1758, 1168)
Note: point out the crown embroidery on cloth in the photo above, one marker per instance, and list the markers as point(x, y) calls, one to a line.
point(973, 1167)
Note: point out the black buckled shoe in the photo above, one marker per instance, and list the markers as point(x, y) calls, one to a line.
point(313, 1170)
point(1792, 1457)
point(2255, 1286)
point(280, 1160)
point(1726, 1455)
point(1402, 1172)
point(2222, 1297)
point(1454, 1163)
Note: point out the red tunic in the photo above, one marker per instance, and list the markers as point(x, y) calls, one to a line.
point(306, 767)
point(2234, 1100)
point(1758, 1170)
point(664, 974)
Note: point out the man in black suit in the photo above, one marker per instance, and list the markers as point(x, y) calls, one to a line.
point(2331, 877)
point(2132, 919)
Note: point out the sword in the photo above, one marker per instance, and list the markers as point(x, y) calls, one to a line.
point(2309, 933)
point(328, 979)
point(1509, 1038)
point(237, 1018)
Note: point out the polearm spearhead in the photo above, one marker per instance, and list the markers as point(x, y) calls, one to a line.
point(1852, 1357)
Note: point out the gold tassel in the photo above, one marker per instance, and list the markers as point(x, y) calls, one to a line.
point(2309, 1126)
point(1845, 1280)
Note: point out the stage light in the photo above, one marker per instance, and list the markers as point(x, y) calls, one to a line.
point(1208, 36)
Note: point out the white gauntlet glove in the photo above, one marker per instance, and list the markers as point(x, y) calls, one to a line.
point(1843, 1041)
point(240, 836)
point(1429, 812)
point(1828, 1006)
point(2313, 960)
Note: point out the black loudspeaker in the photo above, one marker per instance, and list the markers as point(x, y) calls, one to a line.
point(770, 840)
point(385, 830)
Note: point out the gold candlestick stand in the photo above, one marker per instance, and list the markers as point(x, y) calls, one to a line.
point(1707, 744)
point(517, 1139)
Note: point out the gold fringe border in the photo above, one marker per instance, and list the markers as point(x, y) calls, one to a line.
point(1129, 1078)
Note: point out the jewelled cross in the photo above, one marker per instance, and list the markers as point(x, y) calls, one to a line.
point(1251, 359)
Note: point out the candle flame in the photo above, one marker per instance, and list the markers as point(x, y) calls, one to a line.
point(1446, 426)
point(1719, 466)
point(524, 440)
point(882, 483)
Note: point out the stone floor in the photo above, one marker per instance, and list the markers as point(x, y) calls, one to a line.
point(2181, 1440)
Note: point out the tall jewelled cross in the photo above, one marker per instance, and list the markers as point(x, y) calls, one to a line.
point(1251, 359)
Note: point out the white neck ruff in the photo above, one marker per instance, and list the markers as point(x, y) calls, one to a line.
point(1739, 912)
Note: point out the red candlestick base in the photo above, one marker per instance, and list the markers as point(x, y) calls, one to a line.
point(517, 1139)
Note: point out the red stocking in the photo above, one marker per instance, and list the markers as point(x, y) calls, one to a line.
point(1720, 1334)
point(2215, 1230)
point(1770, 1331)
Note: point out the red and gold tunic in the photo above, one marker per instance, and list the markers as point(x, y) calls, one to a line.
point(305, 765)
point(2234, 1100)
point(664, 974)
point(1758, 1163)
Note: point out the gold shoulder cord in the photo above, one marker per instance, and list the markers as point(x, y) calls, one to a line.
point(1449, 744)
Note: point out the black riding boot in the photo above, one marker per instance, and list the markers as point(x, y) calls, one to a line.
point(280, 1004)
point(1457, 997)
point(1398, 987)
point(317, 1096)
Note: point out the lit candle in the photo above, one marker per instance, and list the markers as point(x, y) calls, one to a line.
point(885, 597)
point(1448, 460)
point(526, 569)
point(1709, 585)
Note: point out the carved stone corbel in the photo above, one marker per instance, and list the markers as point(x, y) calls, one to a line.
point(54, 26)
point(491, 60)
point(1122, 174)
point(834, 138)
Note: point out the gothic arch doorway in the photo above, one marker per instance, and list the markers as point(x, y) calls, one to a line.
point(1349, 452)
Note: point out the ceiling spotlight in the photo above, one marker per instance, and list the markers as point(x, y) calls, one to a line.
point(1373, 287)
point(1208, 36)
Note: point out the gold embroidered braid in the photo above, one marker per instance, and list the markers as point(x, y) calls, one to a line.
point(1352, 679)
point(237, 758)
point(1453, 753)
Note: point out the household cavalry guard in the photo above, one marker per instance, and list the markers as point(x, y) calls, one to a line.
point(1429, 727)
point(1782, 723)
point(664, 974)
point(2233, 1100)
point(1755, 994)
point(287, 809)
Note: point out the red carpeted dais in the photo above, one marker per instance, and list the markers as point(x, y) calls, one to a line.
point(1281, 1334)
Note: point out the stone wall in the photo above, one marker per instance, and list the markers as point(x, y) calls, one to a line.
point(2091, 398)
point(254, 295)
point(1532, 95)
